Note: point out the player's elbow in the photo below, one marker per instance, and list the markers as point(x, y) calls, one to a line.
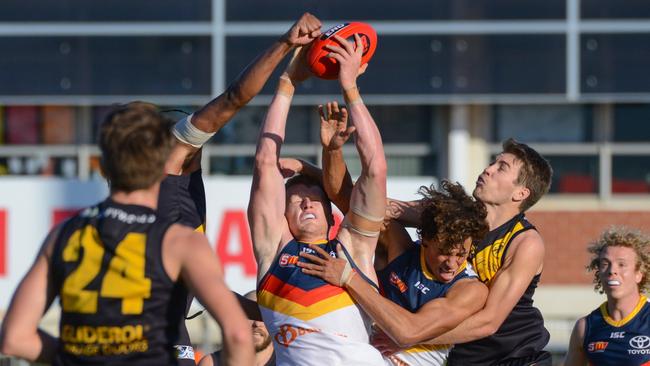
point(10, 342)
point(489, 328)
point(265, 161)
point(407, 336)
point(404, 340)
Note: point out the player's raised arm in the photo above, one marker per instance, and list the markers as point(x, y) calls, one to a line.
point(334, 132)
point(266, 207)
point(368, 200)
point(198, 128)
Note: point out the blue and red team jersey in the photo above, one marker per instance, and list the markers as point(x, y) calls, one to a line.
point(618, 343)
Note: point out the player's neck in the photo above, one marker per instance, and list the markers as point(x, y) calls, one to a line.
point(311, 238)
point(141, 197)
point(498, 215)
point(619, 309)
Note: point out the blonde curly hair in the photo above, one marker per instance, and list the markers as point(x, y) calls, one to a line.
point(622, 237)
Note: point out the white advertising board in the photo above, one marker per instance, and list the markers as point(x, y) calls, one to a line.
point(29, 207)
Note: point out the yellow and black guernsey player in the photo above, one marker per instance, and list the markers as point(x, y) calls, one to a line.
point(182, 194)
point(509, 330)
point(118, 267)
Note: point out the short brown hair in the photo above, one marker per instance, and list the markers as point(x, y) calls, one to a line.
point(450, 216)
point(135, 141)
point(622, 237)
point(535, 173)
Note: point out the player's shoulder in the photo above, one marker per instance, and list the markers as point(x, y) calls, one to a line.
point(528, 241)
point(179, 234)
point(580, 326)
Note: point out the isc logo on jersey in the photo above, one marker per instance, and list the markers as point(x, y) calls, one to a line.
point(640, 345)
point(597, 346)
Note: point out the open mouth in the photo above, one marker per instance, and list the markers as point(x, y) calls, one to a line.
point(613, 283)
point(309, 216)
point(446, 273)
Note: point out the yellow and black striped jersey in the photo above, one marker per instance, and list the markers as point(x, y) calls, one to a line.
point(522, 335)
point(488, 255)
point(118, 305)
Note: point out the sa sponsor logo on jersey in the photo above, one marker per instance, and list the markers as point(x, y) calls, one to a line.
point(288, 260)
point(397, 282)
point(597, 346)
point(287, 334)
point(640, 345)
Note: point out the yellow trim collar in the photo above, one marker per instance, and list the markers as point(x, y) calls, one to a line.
point(423, 265)
point(619, 323)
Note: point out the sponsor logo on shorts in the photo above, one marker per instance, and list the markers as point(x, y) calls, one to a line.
point(184, 352)
point(597, 346)
point(287, 334)
point(641, 345)
point(288, 260)
point(397, 282)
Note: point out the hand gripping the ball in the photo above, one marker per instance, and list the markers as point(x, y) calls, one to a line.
point(303, 31)
point(348, 55)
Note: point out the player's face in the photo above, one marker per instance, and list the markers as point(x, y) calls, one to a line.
point(261, 337)
point(306, 212)
point(618, 272)
point(445, 266)
point(497, 183)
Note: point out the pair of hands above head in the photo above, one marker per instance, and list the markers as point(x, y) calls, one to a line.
point(348, 54)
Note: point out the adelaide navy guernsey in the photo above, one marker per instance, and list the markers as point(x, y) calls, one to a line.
point(407, 282)
point(618, 343)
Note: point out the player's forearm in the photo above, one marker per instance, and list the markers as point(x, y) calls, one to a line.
point(336, 179)
point(36, 346)
point(367, 137)
point(394, 320)
point(475, 327)
point(273, 128)
point(245, 87)
point(239, 347)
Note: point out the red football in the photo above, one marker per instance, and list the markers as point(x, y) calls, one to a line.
point(326, 67)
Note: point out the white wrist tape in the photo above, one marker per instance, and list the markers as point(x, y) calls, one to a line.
point(187, 133)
